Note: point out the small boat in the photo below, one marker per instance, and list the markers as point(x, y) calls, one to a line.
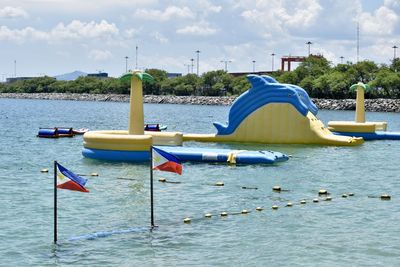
point(155, 127)
point(80, 131)
point(55, 132)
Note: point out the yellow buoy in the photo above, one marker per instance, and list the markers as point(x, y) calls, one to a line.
point(259, 209)
point(289, 204)
point(224, 214)
point(44, 170)
point(208, 215)
point(275, 207)
point(162, 180)
point(219, 183)
point(322, 192)
point(94, 174)
point(276, 188)
point(303, 201)
point(385, 197)
point(187, 220)
point(344, 195)
point(245, 211)
point(315, 200)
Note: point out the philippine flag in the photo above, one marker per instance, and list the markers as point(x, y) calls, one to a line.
point(164, 161)
point(69, 180)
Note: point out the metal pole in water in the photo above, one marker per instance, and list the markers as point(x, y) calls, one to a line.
point(55, 202)
point(151, 187)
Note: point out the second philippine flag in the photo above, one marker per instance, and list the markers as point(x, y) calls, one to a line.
point(163, 161)
point(69, 180)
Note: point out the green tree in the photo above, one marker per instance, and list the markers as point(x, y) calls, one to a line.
point(153, 88)
point(220, 77)
point(387, 83)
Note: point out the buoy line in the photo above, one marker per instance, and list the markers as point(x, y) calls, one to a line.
point(325, 196)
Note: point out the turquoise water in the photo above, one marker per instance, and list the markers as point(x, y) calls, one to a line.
point(357, 230)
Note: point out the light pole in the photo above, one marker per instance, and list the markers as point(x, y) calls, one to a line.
point(272, 55)
point(309, 47)
point(15, 68)
point(341, 59)
point(394, 52)
point(137, 48)
point(198, 53)
point(254, 66)
point(126, 64)
point(226, 64)
point(188, 67)
point(192, 60)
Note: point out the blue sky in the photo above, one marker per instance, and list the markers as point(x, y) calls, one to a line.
point(58, 36)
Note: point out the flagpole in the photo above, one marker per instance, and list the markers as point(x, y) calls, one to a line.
point(151, 187)
point(55, 202)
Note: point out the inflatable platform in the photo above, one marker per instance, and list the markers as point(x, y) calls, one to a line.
point(197, 154)
point(274, 113)
point(193, 154)
point(368, 130)
point(376, 135)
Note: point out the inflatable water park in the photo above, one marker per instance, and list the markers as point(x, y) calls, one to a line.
point(359, 127)
point(268, 113)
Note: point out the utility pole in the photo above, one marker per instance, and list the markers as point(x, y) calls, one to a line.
point(254, 66)
point(188, 67)
point(272, 55)
point(15, 68)
point(136, 66)
point(309, 47)
point(126, 64)
point(394, 52)
point(192, 60)
point(358, 41)
point(226, 64)
point(198, 52)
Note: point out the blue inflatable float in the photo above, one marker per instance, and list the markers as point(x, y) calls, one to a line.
point(192, 154)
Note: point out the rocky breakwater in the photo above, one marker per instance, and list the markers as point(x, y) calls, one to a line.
point(380, 104)
point(377, 105)
point(190, 100)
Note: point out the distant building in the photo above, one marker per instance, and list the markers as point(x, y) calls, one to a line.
point(173, 75)
point(14, 79)
point(100, 75)
point(237, 74)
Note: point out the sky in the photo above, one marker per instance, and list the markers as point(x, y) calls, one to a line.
point(52, 37)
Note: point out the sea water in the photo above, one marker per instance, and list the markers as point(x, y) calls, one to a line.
point(109, 225)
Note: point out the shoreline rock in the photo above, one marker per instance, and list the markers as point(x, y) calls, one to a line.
point(376, 105)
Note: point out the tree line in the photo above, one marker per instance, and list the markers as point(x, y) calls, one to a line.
point(316, 75)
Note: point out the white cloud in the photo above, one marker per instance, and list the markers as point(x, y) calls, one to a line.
point(169, 13)
point(159, 37)
point(381, 22)
point(130, 33)
point(392, 4)
point(100, 55)
point(278, 15)
point(75, 30)
point(12, 12)
point(208, 7)
point(19, 36)
point(78, 30)
point(202, 29)
point(78, 6)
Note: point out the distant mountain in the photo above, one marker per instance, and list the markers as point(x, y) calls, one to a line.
point(70, 76)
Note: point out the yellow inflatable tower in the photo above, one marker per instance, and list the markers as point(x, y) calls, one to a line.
point(134, 144)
